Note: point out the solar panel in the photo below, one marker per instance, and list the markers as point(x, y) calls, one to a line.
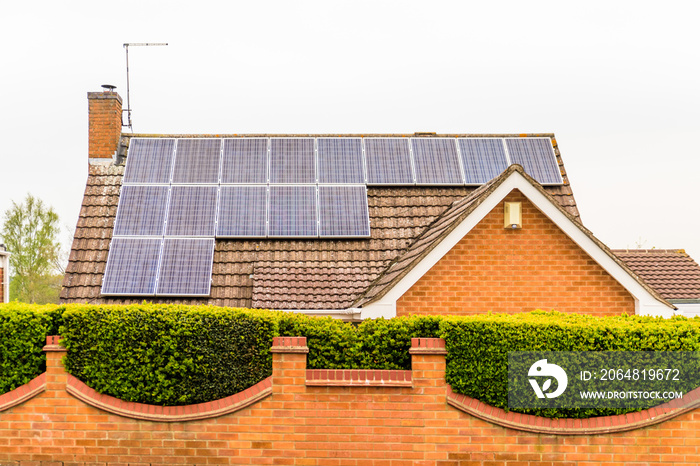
point(292, 160)
point(197, 161)
point(342, 211)
point(149, 161)
point(292, 211)
point(340, 160)
point(436, 161)
point(242, 211)
point(141, 211)
point(388, 161)
point(483, 159)
point(185, 269)
point(536, 155)
point(244, 160)
point(132, 267)
point(192, 211)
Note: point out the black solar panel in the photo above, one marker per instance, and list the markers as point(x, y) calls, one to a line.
point(292, 160)
point(141, 211)
point(388, 161)
point(436, 161)
point(132, 267)
point(342, 211)
point(192, 211)
point(483, 159)
point(245, 160)
point(242, 212)
point(186, 267)
point(197, 161)
point(340, 160)
point(149, 161)
point(536, 155)
point(293, 211)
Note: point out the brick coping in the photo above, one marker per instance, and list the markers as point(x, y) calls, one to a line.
point(148, 412)
point(358, 378)
point(23, 392)
point(587, 426)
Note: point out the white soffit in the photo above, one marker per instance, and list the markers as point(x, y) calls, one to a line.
point(645, 302)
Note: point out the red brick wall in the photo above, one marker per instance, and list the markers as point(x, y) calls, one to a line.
point(105, 123)
point(2, 284)
point(316, 425)
point(505, 270)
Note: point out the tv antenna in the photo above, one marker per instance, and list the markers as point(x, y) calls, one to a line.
point(128, 101)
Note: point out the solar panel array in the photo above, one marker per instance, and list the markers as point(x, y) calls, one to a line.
point(178, 195)
point(338, 160)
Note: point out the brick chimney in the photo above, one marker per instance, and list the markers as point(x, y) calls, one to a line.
point(105, 123)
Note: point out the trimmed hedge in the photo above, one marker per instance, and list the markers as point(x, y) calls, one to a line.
point(371, 344)
point(23, 331)
point(478, 346)
point(172, 355)
point(168, 355)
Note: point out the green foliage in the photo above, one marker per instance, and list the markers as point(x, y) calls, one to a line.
point(173, 355)
point(30, 233)
point(168, 355)
point(372, 344)
point(23, 331)
point(478, 346)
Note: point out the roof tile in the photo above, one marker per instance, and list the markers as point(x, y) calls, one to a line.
point(671, 272)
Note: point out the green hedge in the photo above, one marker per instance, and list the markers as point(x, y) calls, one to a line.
point(478, 346)
point(172, 355)
point(168, 355)
point(23, 331)
point(371, 344)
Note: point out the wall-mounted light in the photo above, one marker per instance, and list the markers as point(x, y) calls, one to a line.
point(512, 215)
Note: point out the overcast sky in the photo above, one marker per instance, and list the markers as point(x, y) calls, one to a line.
point(616, 81)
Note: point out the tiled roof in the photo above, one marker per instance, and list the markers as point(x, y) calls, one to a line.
point(671, 272)
point(279, 274)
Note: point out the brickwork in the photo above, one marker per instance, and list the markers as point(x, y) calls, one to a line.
point(2, 283)
point(504, 270)
point(324, 425)
point(104, 123)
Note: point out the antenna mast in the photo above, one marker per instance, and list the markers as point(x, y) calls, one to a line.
point(128, 101)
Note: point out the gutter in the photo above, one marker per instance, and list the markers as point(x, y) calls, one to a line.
point(351, 314)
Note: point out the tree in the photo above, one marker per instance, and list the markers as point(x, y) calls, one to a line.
point(30, 233)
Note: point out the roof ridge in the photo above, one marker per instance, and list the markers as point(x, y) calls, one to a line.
point(650, 251)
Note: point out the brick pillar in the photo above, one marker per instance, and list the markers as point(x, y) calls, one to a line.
point(428, 366)
point(104, 124)
point(56, 376)
point(289, 364)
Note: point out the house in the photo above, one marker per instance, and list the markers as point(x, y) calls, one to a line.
point(4, 274)
point(385, 240)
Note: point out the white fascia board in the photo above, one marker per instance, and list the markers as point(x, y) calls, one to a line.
point(689, 310)
point(351, 314)
point(645, 302)
point(380, 309)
